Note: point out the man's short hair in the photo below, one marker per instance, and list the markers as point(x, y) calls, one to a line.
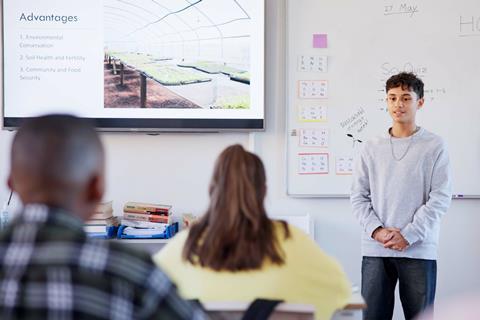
point(406, 80)
point(57, 150)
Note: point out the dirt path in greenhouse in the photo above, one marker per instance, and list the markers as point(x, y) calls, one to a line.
point(128, 94)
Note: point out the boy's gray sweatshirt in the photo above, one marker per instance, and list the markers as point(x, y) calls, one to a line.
point(410, 193)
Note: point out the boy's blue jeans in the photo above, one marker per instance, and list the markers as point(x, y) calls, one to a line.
point(417, 281)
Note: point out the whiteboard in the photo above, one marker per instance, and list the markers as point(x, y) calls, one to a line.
point(339, 55)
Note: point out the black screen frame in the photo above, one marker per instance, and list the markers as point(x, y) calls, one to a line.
point(152, 124)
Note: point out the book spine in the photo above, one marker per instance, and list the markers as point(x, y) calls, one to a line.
point(165, 213)
point(105, 206)
point(146, 217)
point(147, 206)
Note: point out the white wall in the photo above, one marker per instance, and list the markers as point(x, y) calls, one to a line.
point(176, 168)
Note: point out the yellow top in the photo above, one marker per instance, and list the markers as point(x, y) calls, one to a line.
point(308, 276)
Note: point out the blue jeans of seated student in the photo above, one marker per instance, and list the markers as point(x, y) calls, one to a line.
point(417, 282)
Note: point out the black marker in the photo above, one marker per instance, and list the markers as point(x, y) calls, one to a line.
point(10, 197)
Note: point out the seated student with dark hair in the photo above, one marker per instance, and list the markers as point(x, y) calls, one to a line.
point(236, 253)
point(49, 269)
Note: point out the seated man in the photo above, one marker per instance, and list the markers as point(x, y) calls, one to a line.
point(49, 269)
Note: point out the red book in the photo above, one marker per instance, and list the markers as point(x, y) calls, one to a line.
point(147, 217)
point(163, 213)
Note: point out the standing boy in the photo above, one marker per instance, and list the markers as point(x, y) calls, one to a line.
point(400, 190)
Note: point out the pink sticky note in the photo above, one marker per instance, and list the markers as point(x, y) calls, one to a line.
point(320, 40)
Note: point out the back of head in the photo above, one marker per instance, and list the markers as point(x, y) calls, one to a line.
point(57, 160)
point(406, 80)
point(235, 233)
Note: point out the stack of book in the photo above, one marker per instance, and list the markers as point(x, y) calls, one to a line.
point(147, 212)
point(101, 218)
point(146, 219)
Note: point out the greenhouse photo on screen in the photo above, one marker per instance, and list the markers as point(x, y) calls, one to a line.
point(177, 54)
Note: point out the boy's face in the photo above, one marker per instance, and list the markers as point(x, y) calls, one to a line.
point(403, 105)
